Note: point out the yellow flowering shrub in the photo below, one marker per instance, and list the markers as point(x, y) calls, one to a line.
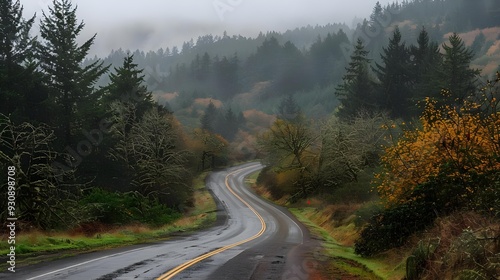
point(458, 142)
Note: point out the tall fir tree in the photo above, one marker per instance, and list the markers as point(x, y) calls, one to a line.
point(16, 44)
point(394, 77)
point(226, 124)
point(128, 85)
point(459, 79)
point(21, 93)
point(71, 85)
point(427, 69)
point(208, 118)
point(226, 77)
point(356, 91)
point(376, 15)
point(289, 110)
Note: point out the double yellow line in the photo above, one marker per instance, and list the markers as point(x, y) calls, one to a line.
point(194, 261)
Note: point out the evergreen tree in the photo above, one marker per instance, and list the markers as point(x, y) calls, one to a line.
point(226, 77)
point(72, 92)
point(231, 125)
point(16, 44)
point(394, 77)
point(206, 61)
point(289, 110)
point(327, 58)
point(263, 65)
point(427, 64)
point(375, 16)
point(356, 91)
point(127, 85)
point(458, 78)
point(226, 124)
point(208, 118)
point(20, 84)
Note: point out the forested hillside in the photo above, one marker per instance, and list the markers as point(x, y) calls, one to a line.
point(397, 116)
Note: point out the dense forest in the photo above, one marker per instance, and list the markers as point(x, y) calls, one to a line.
point(400, 111)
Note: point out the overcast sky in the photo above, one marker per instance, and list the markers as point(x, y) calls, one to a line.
point(151, 24)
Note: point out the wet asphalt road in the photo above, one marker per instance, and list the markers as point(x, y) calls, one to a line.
point(265, 255)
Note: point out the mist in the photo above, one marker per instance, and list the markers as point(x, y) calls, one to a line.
point(150, 25)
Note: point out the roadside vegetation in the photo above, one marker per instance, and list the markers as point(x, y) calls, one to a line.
point(85, 158)
point(123, 229)
point(406, 172)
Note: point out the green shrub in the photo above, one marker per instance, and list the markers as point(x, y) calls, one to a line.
point(23, 249)
point(268, 179)
point(123, 208)
point(440, 196)
point(366, 212)
point(159, 214)
point(392, 227)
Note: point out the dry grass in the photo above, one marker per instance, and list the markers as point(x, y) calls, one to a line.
point(462, 241)
point(337, 220)
point(135, 229)
point(265, 193)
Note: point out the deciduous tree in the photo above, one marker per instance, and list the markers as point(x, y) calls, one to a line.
point(45, 193)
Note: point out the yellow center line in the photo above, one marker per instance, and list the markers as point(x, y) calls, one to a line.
point(196, 260)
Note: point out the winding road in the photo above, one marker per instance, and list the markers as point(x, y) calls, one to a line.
point(252, 239)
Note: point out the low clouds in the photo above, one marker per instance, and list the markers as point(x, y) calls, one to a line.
point(151, 24)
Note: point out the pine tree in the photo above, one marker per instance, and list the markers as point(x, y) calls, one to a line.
point(206, 61)
point(458, 78)
point(226, 76)
point(394, 76)
point(208, 118)
point(16, 44)
point(289, 110)
point(21, 93)
point(71, 84)
point(226, 124)
point(427, 64)
point(376, 15)
point(356, 91)
point(127, 85)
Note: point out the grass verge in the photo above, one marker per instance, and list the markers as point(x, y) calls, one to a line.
point(335, 226)
point(343, 257)
point(36, 246)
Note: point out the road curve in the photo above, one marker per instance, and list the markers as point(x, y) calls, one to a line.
point(252, 239)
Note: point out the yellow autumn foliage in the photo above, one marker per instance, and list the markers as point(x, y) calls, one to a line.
point(454, 141)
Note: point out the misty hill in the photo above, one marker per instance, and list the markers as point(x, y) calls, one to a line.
point(165, 59)
point(308, 62)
